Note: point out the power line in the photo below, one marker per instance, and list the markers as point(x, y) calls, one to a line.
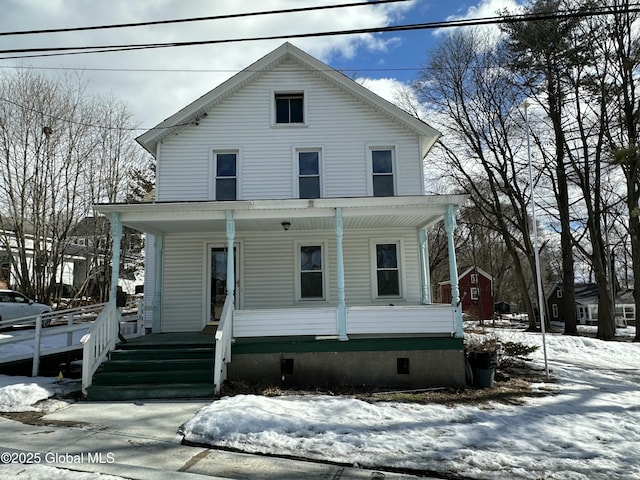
point(199, 19)
point(507, 19)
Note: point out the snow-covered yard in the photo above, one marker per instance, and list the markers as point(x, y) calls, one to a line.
point(586, 427)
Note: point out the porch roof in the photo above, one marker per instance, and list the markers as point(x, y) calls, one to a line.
point(268, 215)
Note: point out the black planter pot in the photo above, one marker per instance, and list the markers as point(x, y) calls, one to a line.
point(483, 359)
point(483, 367)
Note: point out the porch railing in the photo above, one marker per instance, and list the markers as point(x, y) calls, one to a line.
point(222, 352)
point(436, 319)
point(26, 338)
point(98, 342)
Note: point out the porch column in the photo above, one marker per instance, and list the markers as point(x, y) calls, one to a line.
point(231, 235)
point(425, 271)
point(342, 306)
point(116, 237)
point(157, 287)
point(449, 227)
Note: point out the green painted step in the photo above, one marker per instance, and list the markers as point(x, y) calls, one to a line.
point(198, 376)
point(155, 344)
point(161, 353)
point(140, 392)
point(156, 365)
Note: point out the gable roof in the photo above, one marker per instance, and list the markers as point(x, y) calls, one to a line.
point(467, 271)
point(198, 109)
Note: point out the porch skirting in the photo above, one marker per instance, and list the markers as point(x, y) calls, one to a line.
point(383, 363)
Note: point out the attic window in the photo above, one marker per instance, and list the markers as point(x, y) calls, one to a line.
point(289, 108)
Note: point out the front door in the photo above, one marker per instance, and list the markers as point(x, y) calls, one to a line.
point(218, 288)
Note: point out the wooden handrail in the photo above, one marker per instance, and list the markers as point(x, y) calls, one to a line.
point(98, 342)
point(222, 348)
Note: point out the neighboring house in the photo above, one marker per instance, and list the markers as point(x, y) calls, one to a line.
point(291, 208)
point(9, 246)
point(476, 293)
point(90, 243)
point(587, 304)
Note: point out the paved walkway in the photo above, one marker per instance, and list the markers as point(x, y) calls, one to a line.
point(139, 441)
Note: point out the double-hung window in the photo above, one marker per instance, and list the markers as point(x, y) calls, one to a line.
point(226, 175)
point(311, 272)
point(289, 108)
point(308, 173)
point(383, 172)
point(387, 269)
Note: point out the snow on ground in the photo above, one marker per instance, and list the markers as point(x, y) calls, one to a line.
point(587, 427)
point(30, 394)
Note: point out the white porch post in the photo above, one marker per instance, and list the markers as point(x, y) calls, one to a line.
point(342, 306)
point(157, 293)
point(450, 226)
point(231, 235)
point(425, 272)
point(116, 237)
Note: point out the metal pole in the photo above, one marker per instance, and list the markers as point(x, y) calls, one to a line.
point(535, 242)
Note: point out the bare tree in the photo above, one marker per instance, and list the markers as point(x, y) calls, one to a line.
point(54, 156)
point(623, 53)
point(474, 102)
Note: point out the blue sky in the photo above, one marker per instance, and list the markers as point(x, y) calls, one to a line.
point(157, 83)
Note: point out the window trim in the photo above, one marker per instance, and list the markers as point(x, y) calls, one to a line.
point(289, 91)
point(394, 166)
point(298, 271)
point(213, 176)
point(474, 293)
point(296, 168)
point(373, 242)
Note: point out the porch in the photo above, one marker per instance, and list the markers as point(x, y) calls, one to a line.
point(181, 365)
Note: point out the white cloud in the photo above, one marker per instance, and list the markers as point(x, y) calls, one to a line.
point(155, 95)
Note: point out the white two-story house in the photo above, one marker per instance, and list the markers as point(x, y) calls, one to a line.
point(291, 212)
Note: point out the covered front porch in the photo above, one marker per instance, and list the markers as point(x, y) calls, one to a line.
point(250, 233)
point(260, 238)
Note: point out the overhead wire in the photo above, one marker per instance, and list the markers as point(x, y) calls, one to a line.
point(506, 19)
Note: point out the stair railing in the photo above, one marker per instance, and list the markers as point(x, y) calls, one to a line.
point(98, 342)
point(224, 336)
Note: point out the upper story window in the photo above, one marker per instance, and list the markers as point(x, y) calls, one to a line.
point(382, 170)
point(226, 175)
point(308, 173)
point(474, 278)
point(289, 108)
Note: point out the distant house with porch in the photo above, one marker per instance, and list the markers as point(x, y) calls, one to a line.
point(476, 293)
point(587, 304)
point(291, 215)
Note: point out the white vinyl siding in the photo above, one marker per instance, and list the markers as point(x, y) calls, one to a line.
point(267, 273)
point(334, 119)
point(183, 284)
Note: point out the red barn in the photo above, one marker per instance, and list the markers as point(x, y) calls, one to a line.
point(476, 293)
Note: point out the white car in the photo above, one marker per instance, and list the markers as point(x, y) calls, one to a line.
point(16, 305)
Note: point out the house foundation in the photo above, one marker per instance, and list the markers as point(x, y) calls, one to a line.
point(379, 363)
